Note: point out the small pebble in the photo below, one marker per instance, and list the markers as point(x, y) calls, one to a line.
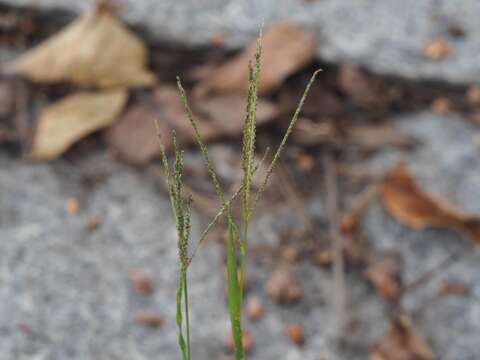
point(437, 49)
point(148, 318)
point(295, 334)
point(142, 282)
point(255, 308)
point(246, 340)
point(73, 206)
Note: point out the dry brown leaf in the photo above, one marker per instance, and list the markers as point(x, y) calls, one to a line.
point(216, 116)
point(412, 206)
point(133, 136)
point(95, 50)
point(384, 273)
point(401, 343)
point(286, 49)
point(67, 121)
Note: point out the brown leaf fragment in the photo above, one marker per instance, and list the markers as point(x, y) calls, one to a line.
point(407, 202)
point(62, 124)
point(226, 113)
point(148, 318)
point(283, 287)
point(133, 137)
point(95, 50)
point(286, 49)
point(401, 343)
point(384, 273)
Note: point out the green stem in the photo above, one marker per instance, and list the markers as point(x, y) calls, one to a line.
point(187, 314)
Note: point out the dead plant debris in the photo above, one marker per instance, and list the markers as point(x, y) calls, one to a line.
point(407, 202)
point(286, 49)
point(401, 343)
point(95, 50)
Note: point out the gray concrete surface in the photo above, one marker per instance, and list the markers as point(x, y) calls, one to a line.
point(71, 287)
point(384, 36)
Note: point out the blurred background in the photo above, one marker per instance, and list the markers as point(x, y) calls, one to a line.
point(364, 244)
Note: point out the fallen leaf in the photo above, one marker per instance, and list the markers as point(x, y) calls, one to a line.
point(95, 50)
point(413, 207)
point(133, 137)
point(286, 49)
point(67, 121)
point(437, 49)
point(148, 318)
point(401, 343)
point(384, 273)
point(283, 287)
point(226, 112)
point(296, 334)
point(216, 116)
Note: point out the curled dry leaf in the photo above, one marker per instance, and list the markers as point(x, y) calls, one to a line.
point(286, 49)
point(413, 207)
point(95, 50)
point(67, 121)
point(401, 343)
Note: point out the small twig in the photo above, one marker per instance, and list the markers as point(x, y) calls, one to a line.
point(450, 259)
point(339, 291)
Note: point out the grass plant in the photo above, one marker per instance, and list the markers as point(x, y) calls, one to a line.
point(237, 245)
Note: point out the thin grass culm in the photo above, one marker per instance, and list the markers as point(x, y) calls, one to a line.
point(237, 241)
